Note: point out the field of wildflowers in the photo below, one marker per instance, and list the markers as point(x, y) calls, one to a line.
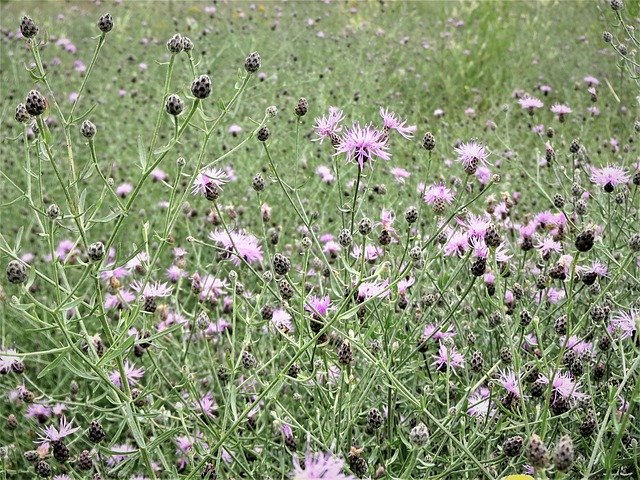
point(319, 240)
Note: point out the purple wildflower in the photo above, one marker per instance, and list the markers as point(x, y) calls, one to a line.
point(52, 434)
point(319, 466)
point(438, 193)
point(448, 356)
point(625, 324)
point(131, 373)
point(530, 103)
point(392, 122)
point(208, 181)
point(328, 125)
point(609, 177)
point(472, 155)
point(510, 383)
point(319, 305)
point(239, 245)
point(564, 386)
point(363, 145)
point(152, 290)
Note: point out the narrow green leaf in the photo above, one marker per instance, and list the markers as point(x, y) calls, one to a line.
point(53, 364)
point(142, 153)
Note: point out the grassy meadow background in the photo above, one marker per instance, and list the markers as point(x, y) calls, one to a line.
point(450, 68)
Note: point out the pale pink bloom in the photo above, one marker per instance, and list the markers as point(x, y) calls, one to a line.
point(131, 373)
point(52, 434)
point(124, 189)
point(374, 290)
point(564, 386)
point(438, 192)
point(371, 252)
point(119, 301)
point(530, 103)
point(363, 145)
point(509, 382)
point(448, 356)
point(328, 125)
point(405, 284)
point(152, 290)
point(433, 332)
point(282, 320)
point(399, 174)
point(319, 305)
point(319, 466)
point(325, 174)
point(392, 122)
point(208, 180)
point(238, 245)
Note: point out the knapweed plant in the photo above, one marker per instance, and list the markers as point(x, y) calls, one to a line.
point(348, 297)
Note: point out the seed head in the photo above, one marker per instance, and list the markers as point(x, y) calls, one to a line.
point(252, 62)
point(584, 241)
point(512, 446)
point(53, 211)
point(607, 37)
point(201, 87)
point(537, 452)
point(429, 141)
point(564, 454)
point(174, 44)
point(28, 27)
point(16, 272)
point(364, 226)
point(22, 116)
point(345, 354)
point(174, 105)
point(43, 469)
point(187, 44)
point(302, 107)
point(616, 5)
point(95, 251)
point(281, 264)
point(35, 103)
point(105, 23)
point(263, 134)
point(419, 434)
point(88, 129)
point(411, 215)
point(271, 111)
point(634, 242)
point(258, 182)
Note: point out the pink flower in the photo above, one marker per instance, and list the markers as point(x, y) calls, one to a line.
point(319, 305)
point(282, 320)
point(52, 434)
point(591, 81)
point(235, 130)
point(560, 110)
point(480, 404)
point(399, 174)
point(119, 301)
point(325, 174)
point(8, 358)
point(564, 386)
point(530, 103)
point(371, 252)
point(435, 333)
point(79, 66)
point(238, 245)
point(131, 373)
point(207, 405)
point(625, 324)
point(363, 145)
point(328, 125)
point(208, 181)
point(319, 466)
point(438, 193)
point(392, 122)
point(609, 177)
point(73, 97)
point(124, 189)
point(152, 290)
point(158, 175)
point(510, 383)
point(373, 290)
point(472, 155)
point(456, 245)
point(448, 356)
point(547, 246)
point(405, 284)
